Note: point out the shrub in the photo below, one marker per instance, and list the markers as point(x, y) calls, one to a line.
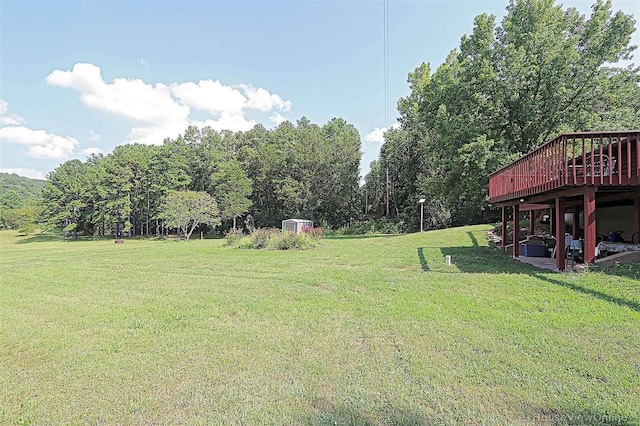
point(316, 233)
point(233, 236)
point(244, 243)
point(275, 239)
point(380, 226)
point(260, 237)
point(290, 241)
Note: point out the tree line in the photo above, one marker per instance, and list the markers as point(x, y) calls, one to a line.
point(301, 170)
point(504, 91)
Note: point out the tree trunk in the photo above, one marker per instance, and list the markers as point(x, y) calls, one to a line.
point(148, 207)
point(75, 220)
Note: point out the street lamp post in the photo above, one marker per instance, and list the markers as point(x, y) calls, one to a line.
point(422, 200)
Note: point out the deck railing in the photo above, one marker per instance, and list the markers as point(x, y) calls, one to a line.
point(571, 159)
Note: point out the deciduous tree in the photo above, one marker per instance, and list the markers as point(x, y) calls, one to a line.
point(186, 210)
point(232, 188)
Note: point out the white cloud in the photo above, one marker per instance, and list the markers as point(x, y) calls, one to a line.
point(134, 99)
point(39, 143)
point(377, 134)
point(8, 119)
point(277, 119)
point(28, 173)
point(164, 110)
point(264, 101)
point(130, 98)
point(144, 61)
point(92, 151)
point(93, 136)
point(155, 135)
point(227, 121)
point(211, 96)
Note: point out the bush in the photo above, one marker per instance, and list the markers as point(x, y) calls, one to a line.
point(234, 236)
point(260, 237)
point(244, 243)
point(275, 239)
point(290, 241)
point(316, 233)
point(380, 226)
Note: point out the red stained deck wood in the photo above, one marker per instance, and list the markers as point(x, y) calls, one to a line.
point(601, 159)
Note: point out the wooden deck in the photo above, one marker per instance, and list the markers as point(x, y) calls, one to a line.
point(604, 159)
point(575, 171)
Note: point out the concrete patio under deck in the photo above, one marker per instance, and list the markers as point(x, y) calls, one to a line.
point(539, 262)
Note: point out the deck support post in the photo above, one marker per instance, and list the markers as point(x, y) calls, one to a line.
point(516, 230)
point(636, 216)
point(559, 228)
point(532, 221)
point(552, 222)
point(576, 223)
point(504, 227)
point(589, 247)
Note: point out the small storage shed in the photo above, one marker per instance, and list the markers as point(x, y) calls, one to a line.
point(296, 225)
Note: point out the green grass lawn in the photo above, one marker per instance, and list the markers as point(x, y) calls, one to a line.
point(360, 330)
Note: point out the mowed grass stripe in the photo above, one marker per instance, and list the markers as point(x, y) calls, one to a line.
point(374, 330)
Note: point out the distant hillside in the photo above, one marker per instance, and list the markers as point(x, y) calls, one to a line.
point(16, 190)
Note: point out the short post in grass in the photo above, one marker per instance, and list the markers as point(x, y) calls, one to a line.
point(447, 258)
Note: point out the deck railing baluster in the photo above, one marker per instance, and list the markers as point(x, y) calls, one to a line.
point(610, 152)
point(637, 141)
point(573, 155)
point(584, 164)
point(620, 160)
point(601, 162)
point(628, 158)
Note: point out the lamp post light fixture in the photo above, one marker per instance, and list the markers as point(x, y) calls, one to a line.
point(421, 201)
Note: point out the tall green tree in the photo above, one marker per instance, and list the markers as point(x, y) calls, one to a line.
point(66, 194)
point(186, 210)
point(232, 189)
point(169, 173)
point(339, 174)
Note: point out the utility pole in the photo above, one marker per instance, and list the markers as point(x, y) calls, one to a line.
point(388, 215)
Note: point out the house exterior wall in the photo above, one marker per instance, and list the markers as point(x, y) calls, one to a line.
point(611, 219)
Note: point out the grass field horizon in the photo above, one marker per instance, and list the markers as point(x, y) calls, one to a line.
point(365, 330)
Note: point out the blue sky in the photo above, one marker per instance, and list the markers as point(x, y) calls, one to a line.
point(78, 77)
